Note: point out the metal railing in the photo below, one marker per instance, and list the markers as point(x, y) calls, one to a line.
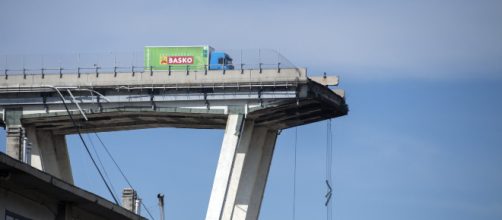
point(96, 63)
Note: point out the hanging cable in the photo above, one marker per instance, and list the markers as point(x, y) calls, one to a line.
point(294, 173)
point(85, 144)
point(101, 164)
point(111, 157)
point(121, 172)
point(329, 165)
point(89, 153)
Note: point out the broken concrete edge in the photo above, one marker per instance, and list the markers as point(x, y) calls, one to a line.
point(67, 187)
point(336, 100)
point(326, 80)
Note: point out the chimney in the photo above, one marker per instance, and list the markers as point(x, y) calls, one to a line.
point(129, 198)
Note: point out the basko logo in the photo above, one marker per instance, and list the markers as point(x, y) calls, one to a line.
point(164, 60)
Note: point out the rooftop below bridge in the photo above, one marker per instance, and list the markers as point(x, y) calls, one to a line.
point(41, 188)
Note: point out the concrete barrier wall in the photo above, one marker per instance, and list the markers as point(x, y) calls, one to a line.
point(156, 78)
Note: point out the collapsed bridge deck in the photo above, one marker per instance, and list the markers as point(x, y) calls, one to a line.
point(251, 105)
point(198, 99)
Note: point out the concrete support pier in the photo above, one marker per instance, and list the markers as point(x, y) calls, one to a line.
point(49, 153)
point(14, 141)
point(41, 149)
point(242, 170)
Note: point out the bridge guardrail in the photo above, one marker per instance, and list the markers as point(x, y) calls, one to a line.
point(85, 63)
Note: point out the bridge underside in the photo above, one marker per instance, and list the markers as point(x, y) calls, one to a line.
point(277, 115)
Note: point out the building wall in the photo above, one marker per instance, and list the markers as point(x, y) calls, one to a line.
point(79, 214)
point(25, 207)
point(36, 210)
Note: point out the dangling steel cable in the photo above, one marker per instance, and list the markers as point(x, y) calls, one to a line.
point(89, 153)
point(329, 166)
point(111, 157)
point(294, 173)
point(121, 172)
point(85, 144)
point(101, 164)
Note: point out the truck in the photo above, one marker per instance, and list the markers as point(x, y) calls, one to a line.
point(186, 58)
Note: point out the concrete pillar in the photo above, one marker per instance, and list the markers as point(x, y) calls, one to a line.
point(49, 153)
point(224, 167)
point(238, 165)
point(255, 174)
point(14, 132)
point(242, 171)
point(14, 141)
point(248, 202)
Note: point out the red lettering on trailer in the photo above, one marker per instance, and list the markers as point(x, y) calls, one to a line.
point(180, 60)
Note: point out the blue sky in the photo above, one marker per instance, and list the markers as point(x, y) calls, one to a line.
point(423, 139)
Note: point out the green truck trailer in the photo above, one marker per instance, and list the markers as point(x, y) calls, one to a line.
point(186, 57)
